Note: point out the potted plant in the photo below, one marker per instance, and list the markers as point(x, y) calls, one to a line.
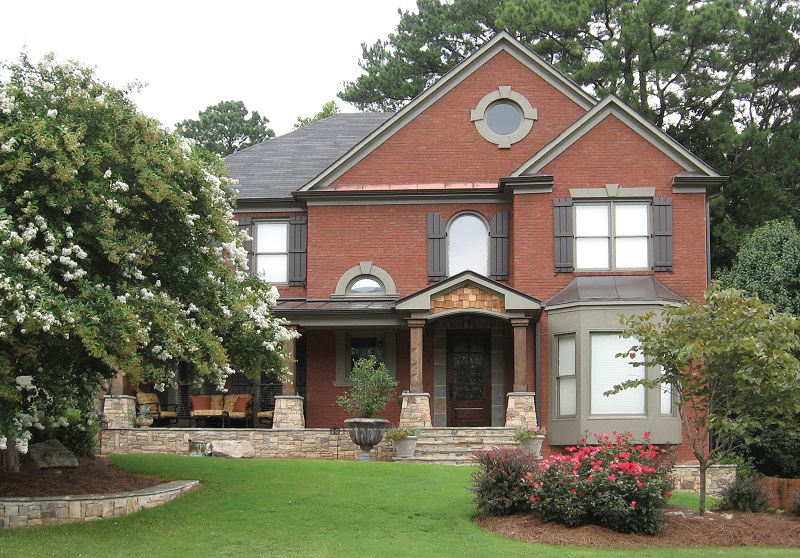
point(144, 419)
point(404, 439)
point(374, 388)
point(530, 439)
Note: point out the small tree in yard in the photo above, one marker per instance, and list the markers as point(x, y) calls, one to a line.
point(374, 388)
point(118, 252)
point(731, 368)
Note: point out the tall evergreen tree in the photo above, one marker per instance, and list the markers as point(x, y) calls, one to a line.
point(225, 128)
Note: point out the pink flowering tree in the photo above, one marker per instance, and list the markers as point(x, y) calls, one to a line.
point(616, 482)
point(119, 253)
point(730, 363)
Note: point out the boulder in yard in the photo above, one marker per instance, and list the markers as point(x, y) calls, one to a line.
point(50, 454)
point(226, 448)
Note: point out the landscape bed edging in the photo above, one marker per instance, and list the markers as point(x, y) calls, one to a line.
point(52, 510)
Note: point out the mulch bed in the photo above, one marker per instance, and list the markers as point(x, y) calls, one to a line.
point(92, 476)
point(715, 529)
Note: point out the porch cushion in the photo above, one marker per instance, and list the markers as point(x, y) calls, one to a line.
point(241, 403)
point(200, 402)
point(208, 413)
point(229, 402)
point(168, 414)
point(216, 402)
point(238, 414)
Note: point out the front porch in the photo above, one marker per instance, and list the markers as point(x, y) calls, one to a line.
point(451, 446)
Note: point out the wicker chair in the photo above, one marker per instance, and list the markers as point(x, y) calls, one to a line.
point(161, 413)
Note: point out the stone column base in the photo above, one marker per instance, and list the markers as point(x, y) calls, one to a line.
point(288, 413)
point(119, 410)
point(521, 410)
point(416, 410)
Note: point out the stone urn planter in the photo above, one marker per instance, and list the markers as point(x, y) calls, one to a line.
point(404, 448)
point(144, 422)
point(533, 446)
point(366, 433)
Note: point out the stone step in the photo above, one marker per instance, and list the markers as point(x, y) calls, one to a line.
point(448, 446)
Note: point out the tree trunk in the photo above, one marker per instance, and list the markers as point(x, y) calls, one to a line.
point(9, 458)
point(703, 468)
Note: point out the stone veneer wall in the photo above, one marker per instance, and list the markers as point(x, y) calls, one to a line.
point(306, 443)
point(521, 409)
point(119, 410)
point(29, 512)
point(687, 478)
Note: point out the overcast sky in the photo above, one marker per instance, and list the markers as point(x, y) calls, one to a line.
point(283, 58)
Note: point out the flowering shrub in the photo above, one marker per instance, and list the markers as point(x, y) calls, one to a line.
point(499, 483)
point(617, 483)
point(119, 251)
point(525, 433)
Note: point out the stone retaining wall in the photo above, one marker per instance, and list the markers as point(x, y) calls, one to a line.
point(28, 512)
point(306, 443)
point(687, 478)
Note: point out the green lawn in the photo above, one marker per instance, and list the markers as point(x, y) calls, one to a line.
point(262, 507)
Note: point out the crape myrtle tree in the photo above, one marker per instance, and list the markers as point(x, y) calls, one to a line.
point(118, 251)
point(730, 364)
point(226, 127)
point(721, 77)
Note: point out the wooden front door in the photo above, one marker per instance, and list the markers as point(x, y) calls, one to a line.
point(468, 377)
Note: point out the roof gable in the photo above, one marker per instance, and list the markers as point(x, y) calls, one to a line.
point(502, 42)
point(613, 106)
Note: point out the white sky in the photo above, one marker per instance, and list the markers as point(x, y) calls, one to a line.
point(282, 58)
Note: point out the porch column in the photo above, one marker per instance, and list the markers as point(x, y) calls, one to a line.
point(415, 366)
point(291, 364)
point(520, 326)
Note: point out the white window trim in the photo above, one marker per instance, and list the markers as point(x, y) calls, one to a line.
point(486, 227)
point(612, 233)
point(257, 252)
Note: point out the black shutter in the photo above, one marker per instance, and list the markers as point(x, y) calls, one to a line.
point(437, 248)
point(298, 243)
point(246, 224)
point(563, 233)
point(498, 247)
point(662, 234)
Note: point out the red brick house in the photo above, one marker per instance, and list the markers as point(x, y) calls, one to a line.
point(483, 240)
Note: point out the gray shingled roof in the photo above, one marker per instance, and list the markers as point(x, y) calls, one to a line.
point(275, 168)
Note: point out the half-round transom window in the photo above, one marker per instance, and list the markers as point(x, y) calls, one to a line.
point(365, 286)
point(504, 117)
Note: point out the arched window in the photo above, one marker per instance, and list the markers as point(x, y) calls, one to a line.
point(467, 245)
point(365, 285)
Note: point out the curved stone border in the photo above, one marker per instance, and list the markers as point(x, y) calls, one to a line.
point(28, 512)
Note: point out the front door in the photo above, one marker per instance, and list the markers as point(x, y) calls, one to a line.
point(468, 377)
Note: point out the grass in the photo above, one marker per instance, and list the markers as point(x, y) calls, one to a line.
point(305, 508)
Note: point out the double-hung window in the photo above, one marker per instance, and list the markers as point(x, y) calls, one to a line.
point(608, 371)
point(566, 377)
point(612, 235)
point(271, 251)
